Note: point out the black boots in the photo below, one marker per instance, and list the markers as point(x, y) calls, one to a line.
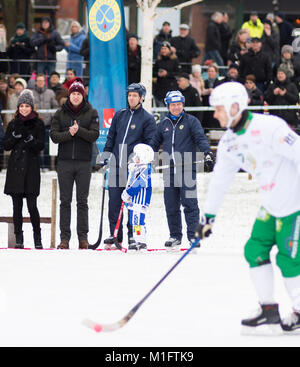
point(37, 240)
point(19, 240)
point(36, 237)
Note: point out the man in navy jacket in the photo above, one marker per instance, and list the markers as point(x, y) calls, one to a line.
point(180, 135)
point(129, 127)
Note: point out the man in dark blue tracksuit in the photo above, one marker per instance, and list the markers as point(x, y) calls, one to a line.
point(129, 127)
point(180, 134)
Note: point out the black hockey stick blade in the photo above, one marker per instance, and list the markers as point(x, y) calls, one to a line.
point(119, 324)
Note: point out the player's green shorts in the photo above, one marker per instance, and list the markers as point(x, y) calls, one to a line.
point(283, 232)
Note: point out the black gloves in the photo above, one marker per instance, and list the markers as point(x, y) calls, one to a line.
point(21, 132)
point(209, 161)
point(18, 132)
point(102, 163)
point(204, 228)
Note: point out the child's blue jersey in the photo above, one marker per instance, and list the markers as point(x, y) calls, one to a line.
point(139, 186)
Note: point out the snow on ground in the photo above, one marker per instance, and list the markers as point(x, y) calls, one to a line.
point(45, 295)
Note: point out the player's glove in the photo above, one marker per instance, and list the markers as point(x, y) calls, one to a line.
point(209, 161)
point(126, 197)
point(101, 162)
point(204, 228)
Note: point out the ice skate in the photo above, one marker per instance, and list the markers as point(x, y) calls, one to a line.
point(291, 324)
point(137, 246)
point(265, 321)
point(110, 245)
point(172, 245)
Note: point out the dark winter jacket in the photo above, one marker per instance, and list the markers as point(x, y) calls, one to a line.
point(23, 171)
point(270, 46)
point(134, 65)
point(285, 32)
point(163, 37)
point(165, 84)
point(226, 35)
point(192, 99)
point(234, 53)
point(290, 98)
point(257, 64)
point(208, 117)
point(186, 135)
point(213, 37)
point(18, 49)
point(128, 127)
point(85, 52)
point(47, 43)
point(186, 50)
point(80, 146)
point(256, 97)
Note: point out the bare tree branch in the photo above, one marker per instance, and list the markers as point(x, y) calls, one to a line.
point(179, 6)
point(155, 3)
point(140, 4)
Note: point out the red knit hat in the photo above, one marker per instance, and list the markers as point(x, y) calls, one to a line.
point(77, 86)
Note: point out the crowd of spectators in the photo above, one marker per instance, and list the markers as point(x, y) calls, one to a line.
point(259, 55)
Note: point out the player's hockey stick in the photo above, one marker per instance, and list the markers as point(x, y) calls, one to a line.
point(117, 227)
point(117, 325)
point(168, 166)
point(96, 245)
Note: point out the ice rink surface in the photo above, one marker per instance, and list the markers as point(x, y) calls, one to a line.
point(45, 295)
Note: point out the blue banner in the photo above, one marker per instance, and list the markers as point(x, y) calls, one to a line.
point(108, 61)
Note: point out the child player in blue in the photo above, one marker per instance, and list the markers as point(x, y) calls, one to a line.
point(137, 194)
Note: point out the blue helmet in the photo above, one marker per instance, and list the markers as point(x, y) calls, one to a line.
point(138, 88)
point(174, 97)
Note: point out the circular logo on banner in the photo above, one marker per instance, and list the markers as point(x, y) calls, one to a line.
point(105, 19)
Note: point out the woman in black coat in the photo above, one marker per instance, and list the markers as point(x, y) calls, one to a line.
point(25, 138)
point(283, 92)
point(165, 70)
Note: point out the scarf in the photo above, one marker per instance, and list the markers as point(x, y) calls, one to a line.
point(31, 116)
point(20, 39)
point(75, 109)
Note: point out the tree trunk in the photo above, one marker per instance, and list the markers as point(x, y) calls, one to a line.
point(148, 8)
point(14, 12)
point(147, 55)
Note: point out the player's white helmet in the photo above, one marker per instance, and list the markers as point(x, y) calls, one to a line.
point(144, 152)
point(226, 95)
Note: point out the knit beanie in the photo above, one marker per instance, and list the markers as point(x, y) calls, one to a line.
point(20, 26)
point(26, 97)
point(77, 86)
point(21, 81)
point(287, 49)
point(196, 68)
